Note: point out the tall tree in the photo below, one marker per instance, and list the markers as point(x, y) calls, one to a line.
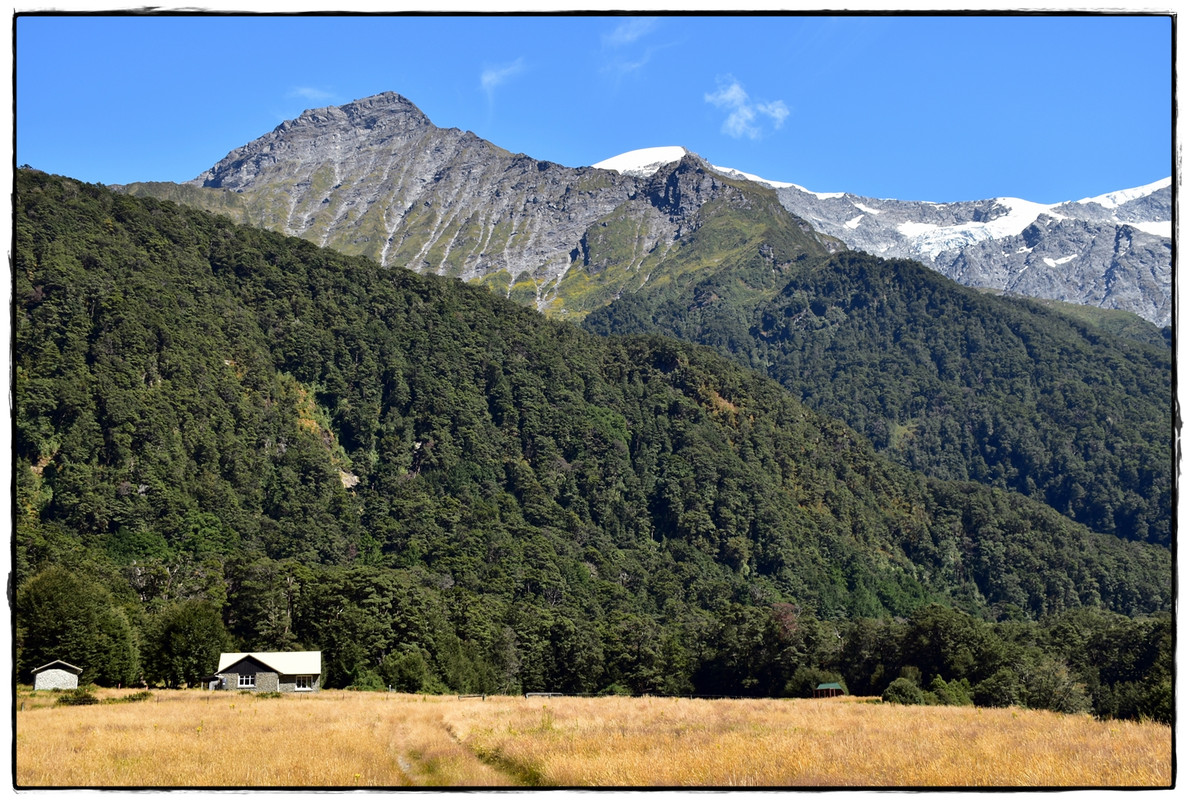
point(63, 616)
point(184, 643)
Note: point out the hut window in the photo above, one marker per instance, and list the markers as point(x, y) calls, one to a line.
point(247, 681)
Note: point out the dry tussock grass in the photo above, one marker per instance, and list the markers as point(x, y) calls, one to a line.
point(844, 742)
point(346, 739)
point(339, 739)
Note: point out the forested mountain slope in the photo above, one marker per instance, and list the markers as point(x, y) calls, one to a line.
point(423, 479)
point(956, 383)
point(941, 379)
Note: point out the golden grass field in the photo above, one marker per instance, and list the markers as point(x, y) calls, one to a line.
point(356, 739)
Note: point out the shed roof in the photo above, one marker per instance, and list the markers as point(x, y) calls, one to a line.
point(308, 662)
point(57, 665)
point(830, 686)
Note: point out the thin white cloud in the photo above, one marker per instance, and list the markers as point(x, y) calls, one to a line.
point(629, 31)
point(743, 113)
point(624, 50)
point(778, 111)
point(621, 66)
point(310, 93)
point(496, 76)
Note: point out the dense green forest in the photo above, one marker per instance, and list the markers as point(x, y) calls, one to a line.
point(955, 383)
point(226, 438)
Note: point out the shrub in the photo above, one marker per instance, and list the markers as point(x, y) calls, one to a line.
point(136, 697)
point(77, 697)
point(368, 681)
point(1159, 702)
point(405, 671)
point(1149, 699)
point(952, 693)
point(1000, 690)
point(1049, 684)
point(904, 692)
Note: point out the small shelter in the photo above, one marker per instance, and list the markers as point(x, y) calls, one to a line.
point(56, 675)
point(269, 672)
point(828, 690)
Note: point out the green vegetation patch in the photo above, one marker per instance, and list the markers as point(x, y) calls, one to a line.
point(81, 696)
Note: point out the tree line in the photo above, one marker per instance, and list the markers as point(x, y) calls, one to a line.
point(400, 629)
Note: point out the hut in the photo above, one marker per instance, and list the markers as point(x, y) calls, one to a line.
point(268, 672)
point(828, 690)
point(56, 675)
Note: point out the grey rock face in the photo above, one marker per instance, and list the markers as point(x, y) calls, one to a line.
point(1111, 252)
point(325, 135)
point(377, 178)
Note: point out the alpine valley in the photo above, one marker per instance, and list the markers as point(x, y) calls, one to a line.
point(675, 430)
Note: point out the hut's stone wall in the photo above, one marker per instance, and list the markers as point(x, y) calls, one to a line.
point(55, 679)
point(265, 682)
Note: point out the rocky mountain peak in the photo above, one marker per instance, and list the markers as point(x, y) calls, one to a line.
point(329, 134)
point(375, 177)
point(681, 188)
point(379, 111)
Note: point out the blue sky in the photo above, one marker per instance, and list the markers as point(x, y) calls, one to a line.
point(919, 108)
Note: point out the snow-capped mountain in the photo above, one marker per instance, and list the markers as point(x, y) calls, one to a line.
point(1112, 251)
point(643, 163)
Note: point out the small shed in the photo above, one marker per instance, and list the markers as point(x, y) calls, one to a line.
point(828, 690)
point(56, 675)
